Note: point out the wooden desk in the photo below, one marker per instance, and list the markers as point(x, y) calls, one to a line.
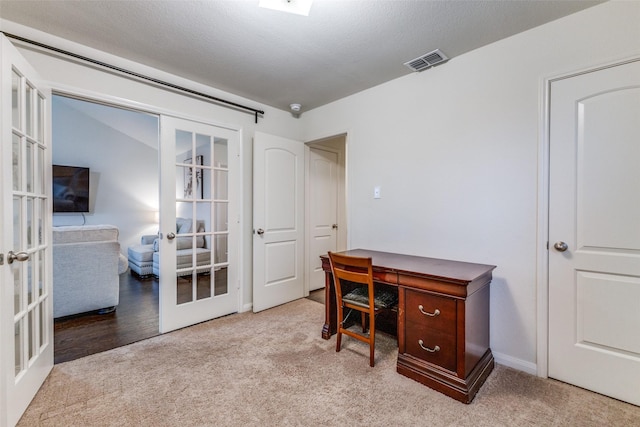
point(443, 319)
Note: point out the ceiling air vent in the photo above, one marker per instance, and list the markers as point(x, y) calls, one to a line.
point(427, 60)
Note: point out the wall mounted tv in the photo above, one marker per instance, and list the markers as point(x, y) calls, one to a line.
point(70, 189)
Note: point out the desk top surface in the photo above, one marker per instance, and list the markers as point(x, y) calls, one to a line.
point(431, 267)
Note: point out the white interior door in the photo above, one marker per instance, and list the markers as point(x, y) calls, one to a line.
point(198, 250)
point(278, 221)
point(594, 232)
point(26, 315)
point(323, 211)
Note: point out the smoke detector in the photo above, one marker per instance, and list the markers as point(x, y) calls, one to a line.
point(427, 60)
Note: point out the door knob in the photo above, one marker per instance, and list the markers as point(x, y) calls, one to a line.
point(334, 226)
point(171, 236)
point(260, 231)
point(561, 246)
point(20, 256)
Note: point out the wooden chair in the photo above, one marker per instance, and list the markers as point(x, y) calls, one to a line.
point(358, 271)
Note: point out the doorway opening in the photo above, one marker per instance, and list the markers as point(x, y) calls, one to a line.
point(120, 147)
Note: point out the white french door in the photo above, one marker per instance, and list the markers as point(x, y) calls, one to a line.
point(594, 231)
point(26, 319)
point(323, 211)
point(278, 218)
point(198, 244)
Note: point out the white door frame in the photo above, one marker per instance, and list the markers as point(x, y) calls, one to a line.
point(118, 102)
point(542, 238)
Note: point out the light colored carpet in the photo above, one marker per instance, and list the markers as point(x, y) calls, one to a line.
point(273, 368)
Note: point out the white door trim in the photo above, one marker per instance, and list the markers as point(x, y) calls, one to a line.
point(118, 102)
point(542, 237)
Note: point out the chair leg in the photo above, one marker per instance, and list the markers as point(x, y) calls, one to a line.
point(372, 338)
point(364, 321)
point(340, 318)
point(372, 348)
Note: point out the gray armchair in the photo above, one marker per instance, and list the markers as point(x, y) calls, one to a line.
point(141, 256)
point(144, 259)
point(85, 269)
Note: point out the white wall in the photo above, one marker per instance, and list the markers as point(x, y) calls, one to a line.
point(71, 76)
point(455, 151)
point(124, 170)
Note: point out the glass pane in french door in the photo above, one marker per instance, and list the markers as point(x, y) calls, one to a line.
point(30, 215)
point(201, 216)
point(221, 215)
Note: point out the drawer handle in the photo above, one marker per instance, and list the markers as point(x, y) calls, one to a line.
point(436, 348)
point(434, 314)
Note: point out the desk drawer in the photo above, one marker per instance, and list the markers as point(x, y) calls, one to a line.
point(430, 328)
point(385, 277)
point(432, 346)
point(434, 312)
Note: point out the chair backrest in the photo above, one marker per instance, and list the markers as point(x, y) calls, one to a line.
point(353, 269)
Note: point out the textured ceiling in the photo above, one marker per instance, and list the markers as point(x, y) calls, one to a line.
point(275, 58)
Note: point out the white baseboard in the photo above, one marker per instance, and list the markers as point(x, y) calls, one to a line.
point(512, 362)
point(246, 307)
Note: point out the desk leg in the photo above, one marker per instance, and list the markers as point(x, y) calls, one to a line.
point(330, 314)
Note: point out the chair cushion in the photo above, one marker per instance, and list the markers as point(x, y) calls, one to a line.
point(183, 243)
point(382, 298)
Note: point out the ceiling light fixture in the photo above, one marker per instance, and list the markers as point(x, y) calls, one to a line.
point(297, 7)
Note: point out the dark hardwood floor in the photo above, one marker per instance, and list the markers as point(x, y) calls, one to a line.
point(135, 319)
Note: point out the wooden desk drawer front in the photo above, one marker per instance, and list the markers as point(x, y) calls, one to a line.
point(430, 328)
point(385, 277)
point(440, 311)
point(432, 346)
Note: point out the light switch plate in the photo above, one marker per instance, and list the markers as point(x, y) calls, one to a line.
point(376, 192)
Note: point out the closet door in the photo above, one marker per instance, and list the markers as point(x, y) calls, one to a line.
point(323, 212)
point(594, 231)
